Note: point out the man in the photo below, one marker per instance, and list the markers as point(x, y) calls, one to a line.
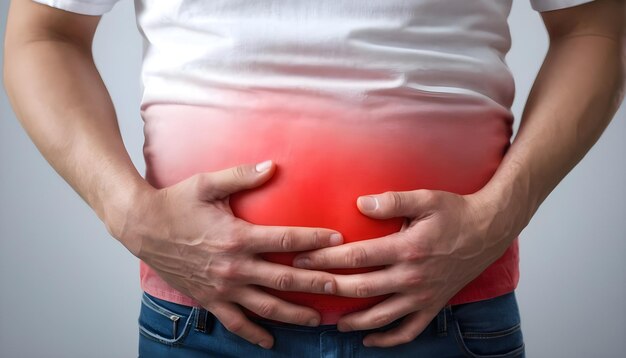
point(417, 88)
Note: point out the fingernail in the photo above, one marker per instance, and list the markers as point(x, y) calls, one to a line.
point(328, 287)
point(314, 322)
point(367, 342)
point(335, 239)
point(302, 262)
point(265, 344)
point(263, 166)
point(368, 203)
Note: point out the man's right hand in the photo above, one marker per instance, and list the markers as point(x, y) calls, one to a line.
point(188, 234)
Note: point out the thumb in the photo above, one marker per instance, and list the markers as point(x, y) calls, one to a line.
point(220, 184)
point(391, 204)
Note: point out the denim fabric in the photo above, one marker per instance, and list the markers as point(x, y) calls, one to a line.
point(489, 328)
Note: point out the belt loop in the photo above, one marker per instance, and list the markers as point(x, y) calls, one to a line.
point(202, 316)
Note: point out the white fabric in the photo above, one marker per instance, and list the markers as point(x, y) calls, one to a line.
point(85, 7)
point(546, 5)
point(435, 55)
point(93, 7)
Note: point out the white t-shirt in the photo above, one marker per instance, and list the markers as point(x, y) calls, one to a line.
point(448, 54)
point(347, 96)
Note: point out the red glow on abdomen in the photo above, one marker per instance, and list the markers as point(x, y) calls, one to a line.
point(325, 160)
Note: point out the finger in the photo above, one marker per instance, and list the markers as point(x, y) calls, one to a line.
point(380, 315)
point(375, 283)
point(287, 278)
point(391, 204)
point(266, 238)
point(236, 322)
point(219, 184)
point(271, 307)
point(411, 327)
point(374, 252)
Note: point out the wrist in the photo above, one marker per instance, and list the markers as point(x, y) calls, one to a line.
point(505, 206)
point(120, 209)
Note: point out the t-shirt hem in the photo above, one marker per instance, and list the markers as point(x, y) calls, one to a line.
point(547, 5)
point(483, 294)
point(79, 7)
point(170, 296)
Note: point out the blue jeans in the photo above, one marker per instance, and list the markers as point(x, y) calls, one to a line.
point(489, 328)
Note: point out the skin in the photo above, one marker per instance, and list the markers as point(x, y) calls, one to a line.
point(452, 238)
point(187, 231)
point(180, 230)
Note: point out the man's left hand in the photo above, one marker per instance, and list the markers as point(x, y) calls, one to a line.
point(447, 241)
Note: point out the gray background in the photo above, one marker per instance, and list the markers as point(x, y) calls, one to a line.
point(69, 290)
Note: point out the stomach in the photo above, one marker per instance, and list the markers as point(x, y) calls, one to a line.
point(325, 158)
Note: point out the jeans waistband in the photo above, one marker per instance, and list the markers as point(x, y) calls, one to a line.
point(204, 320)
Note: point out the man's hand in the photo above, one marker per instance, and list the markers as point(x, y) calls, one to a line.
point(186, 232)
point(189, 235)
point(448, 241)
point(451, 238)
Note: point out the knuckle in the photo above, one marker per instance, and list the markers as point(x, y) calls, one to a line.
point(382, 319)
point(425, 247)
point(228, 271)
point(286, 241)
point(239, 172)
point(232, 236)
point(420, 249)
point(248, 234)
point(202, 181)
point(267, 309)
point(235, 325)
point(396, 199)
point(412, 253)
point(429, 197)
point(425, 298)
point(284, 281)
point(363, 289)
point(232, 244)
point(316, 239)
point(222, 288)
point(414, 279)
point(318, 282)
point(316, 285)
point(405, 337)
point(300, 317)
point(356, 257)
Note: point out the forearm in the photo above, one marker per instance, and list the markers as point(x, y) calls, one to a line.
point(575, 95)
point(62, 103)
